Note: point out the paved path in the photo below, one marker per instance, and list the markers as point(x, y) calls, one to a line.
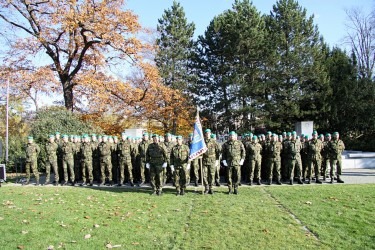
point(350, 176)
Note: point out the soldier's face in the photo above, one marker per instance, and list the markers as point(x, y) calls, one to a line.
point(255, 140)
point(123, 137)
point(51, 140)
point(65, 139)
point(274, 138)
point(155, 139)
point(179, 141)
point(57, 136)
point(104, 139)
point(93, 138)
point(30, 141)
point(208, 135)
point(328, 138)
point(145, 138)
point(336, 136)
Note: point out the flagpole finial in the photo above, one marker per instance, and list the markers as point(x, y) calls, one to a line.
point(198, 109)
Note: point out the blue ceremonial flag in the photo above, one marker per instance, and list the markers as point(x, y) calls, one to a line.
point(198, 145)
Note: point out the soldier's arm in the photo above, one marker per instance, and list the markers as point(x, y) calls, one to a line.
point(243, 151)
point(171, 158)
point(37, 149)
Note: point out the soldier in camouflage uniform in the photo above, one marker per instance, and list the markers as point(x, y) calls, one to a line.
point(234, 154)
point(86, 150)
point(179, 165)
point(217, 166)
point(273, 161)
point(325, 155)
point(315, 146)
point(210, 161)
point(60, 168)
point(77, 158)
point(105, 150)
point(253, 153)
point(51, 160)
point(32, 152)
point(284, 165)
point(144, 174)
point(336, 147)
point(293, 156)
point(168, 143)
point(304, 156)
point(125, 150)
point(156, 158)
point(95, 157)
point(67, 150)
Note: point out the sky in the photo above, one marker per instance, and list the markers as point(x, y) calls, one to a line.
point(329, 15)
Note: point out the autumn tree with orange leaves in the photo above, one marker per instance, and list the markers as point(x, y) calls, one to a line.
point(80, 38)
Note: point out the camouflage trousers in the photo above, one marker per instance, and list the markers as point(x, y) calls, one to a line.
point(325, 164)
point(33, 165)
point(273, 168)
point(179, 176)
point(52, 164)
point(87, 168)
point(105, 165)
point(292, 165)
point(156, 176)
point(195, 167)
point(315, 164)
point(234, 176)
point(336, 162)
point(255, 168)
point(68, 164)
point(126, 168)
point(209, 175)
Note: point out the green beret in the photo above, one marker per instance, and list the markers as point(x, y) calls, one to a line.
point(93, 135)
point(72, 136)
point(294, 132)
point(154, 135)
point(115, 137)
point(274, 135)
point(315, 133)
point(85, 136)
point(123, 134)
point(65, 136)
point(306, 137)
point(232, 133)
point(145, 134)
point(77, 137)
point(191, 134)
point(321, 136)
point(289, 134)
point(30, 138)
point(269, 133)
point(179, 137)
point(328, 135)
point(207, 130)
point(104, 136)
point(213, 136)
point(51, 136)
point(335, 133)
point(57, 133)
point(168, 134)
point(255, 137)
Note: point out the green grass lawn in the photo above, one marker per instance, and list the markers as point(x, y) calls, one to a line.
point(329, 217)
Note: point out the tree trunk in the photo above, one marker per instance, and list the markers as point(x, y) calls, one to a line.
point(68, 94)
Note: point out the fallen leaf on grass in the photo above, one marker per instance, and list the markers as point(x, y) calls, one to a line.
point(135, 243)
point(87, 236)
point(50, 247)
point(87, 217)
point(265, 231)
point(96, 226)
point(1, 218)
point(25, 221)
point(308, 202)
point(110, 246)
point(24, 232)
point(20, 247)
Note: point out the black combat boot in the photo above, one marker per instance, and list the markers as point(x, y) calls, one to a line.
point(308, 181)
point(318, 181)
point(300, 181)
point(278, 182)
point(178, 192)
point(269, 182)
point(250, 183)
point(235, 191)
point(339, 180)
point(291, 181)
point(131, 183)
point(182, 192)
point(230, 191)
point(37, 183)
point(46, 183)
point(259, 182)
point(154, 193)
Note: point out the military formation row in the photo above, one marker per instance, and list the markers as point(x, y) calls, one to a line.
point(285, 157)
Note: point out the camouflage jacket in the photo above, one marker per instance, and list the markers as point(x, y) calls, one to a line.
point(233, 152)
point(32, 151)
point(179, 155)
point(51, 151)
point(213, 152)
point(156, 154)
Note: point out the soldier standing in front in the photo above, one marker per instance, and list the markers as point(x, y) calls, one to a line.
point(156, 158)
point(210, 161)
point(180, 165)
point(233, 158)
